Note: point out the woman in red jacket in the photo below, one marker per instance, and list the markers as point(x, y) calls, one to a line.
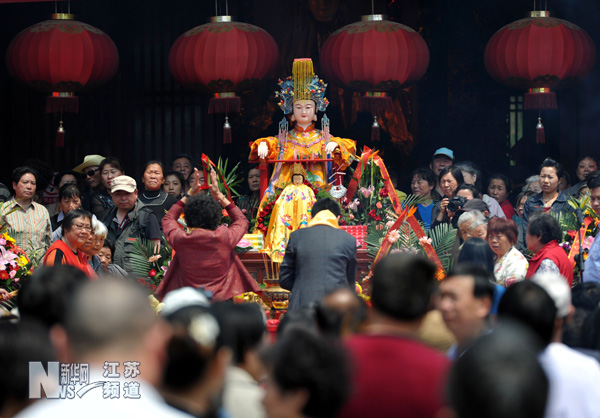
point(204, 251)
point(76, 227)
point(543, 234)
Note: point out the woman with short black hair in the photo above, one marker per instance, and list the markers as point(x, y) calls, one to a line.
point(153, 196)
point(218, 269)
point(550, 199)
point(499, 189)
point(77, 227)
point(451, 178)
point(422, 184)
point(543, 234)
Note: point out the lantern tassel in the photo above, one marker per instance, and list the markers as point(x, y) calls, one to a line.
point(540, 135)
point(63, 103)
point(540, 100)
point(225, 104)
point(60, 136)
point(375, 103)
point(226, 131)
point(375, 131)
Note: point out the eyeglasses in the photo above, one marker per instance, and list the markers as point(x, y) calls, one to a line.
point(92, 172)
point(83, 227)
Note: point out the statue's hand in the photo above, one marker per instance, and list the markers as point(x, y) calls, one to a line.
point(331, 147)
point(263, 149)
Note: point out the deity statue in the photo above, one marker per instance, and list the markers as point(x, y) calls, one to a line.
point(291, 211)
point(302, 95)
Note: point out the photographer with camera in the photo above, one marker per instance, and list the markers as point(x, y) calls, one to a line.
point(451, 179)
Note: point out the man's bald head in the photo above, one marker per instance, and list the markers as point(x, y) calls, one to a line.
point(108, 314)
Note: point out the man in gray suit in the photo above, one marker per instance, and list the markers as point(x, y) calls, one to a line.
point(319, 258)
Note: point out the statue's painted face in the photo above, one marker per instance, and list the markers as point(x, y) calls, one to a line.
point(304, 112)
point(298, 179)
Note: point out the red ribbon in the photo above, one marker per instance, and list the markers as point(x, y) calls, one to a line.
point(355, 180)
point(386, 244)
point(207, 164)
point(576, 242)
point(431, 254)
point(408, 215)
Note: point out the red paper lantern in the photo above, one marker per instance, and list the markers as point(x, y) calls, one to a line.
point(374, 56)
point(62, 56)
point(223, 57)
point(540, 53)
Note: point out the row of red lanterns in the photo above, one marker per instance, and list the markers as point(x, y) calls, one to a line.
point(375, 56)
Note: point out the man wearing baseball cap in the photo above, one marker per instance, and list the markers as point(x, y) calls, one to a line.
point(442, 158)
point(129, 220)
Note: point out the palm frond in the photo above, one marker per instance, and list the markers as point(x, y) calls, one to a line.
point(142, 251)
point(138, 259)
point(411, 200)
point(374, 239)
point(443, 238)
point(8, 305)
point(232, 177)
point(567, 221)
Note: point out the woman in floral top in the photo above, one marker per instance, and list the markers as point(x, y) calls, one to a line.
point(511, 266)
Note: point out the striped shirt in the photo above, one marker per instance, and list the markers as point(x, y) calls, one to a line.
point(29, 226)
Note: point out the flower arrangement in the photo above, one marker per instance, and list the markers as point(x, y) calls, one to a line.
point(371, 202)
point(570, 227)
point(264, 214)
point(14, 263)
point(403, 239)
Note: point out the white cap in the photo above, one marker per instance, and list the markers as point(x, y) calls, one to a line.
point(558, 288)
point(183, 298)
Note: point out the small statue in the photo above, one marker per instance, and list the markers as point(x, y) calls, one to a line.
point(290, 212)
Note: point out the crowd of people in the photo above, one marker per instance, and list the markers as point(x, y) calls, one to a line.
point(503, 334)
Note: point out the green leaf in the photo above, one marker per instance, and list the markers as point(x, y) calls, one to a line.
point(374, 240)
point(232, 177)
point(142, 250)
point(443, 238)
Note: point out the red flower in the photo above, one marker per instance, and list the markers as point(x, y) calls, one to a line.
point(3, 275)
point(141, 281)
point(383, 192)
point(152, 273)
point(372, 214)
point(153, 287)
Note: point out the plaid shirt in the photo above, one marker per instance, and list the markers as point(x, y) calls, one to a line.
point(30, 226)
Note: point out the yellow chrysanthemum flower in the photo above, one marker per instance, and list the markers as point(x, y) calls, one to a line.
point(8, 238)
point(22, 261)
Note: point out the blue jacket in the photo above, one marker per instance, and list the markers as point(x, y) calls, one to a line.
point(536, 204)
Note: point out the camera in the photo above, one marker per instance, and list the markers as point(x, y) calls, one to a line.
point(456, 203)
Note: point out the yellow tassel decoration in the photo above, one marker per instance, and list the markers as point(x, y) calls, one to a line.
point(303, 73)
